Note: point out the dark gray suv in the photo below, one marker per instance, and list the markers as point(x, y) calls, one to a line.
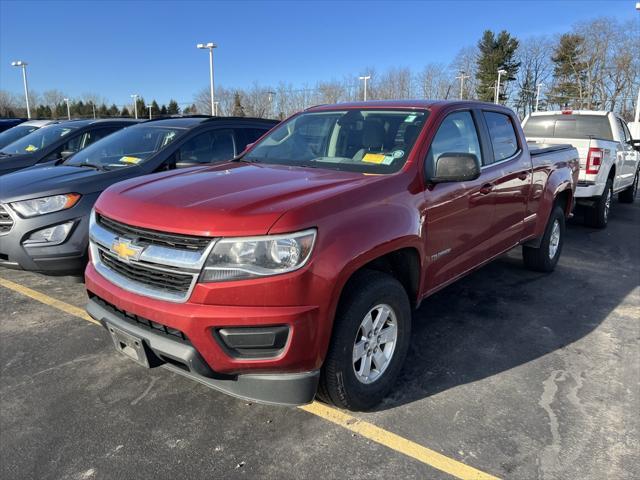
point(44, 211)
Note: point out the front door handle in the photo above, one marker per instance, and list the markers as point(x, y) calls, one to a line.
point(486, 188)
point(523, 176)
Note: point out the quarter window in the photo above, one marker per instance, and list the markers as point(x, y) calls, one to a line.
point(502, 134)
point(456, 134)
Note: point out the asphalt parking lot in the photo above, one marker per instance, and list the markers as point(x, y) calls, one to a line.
point(513, 373)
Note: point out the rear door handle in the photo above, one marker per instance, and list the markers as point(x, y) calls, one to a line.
point(523, 176)
point(486, 188)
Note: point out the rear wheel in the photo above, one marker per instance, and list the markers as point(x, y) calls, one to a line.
point(370, 340)
point(546, 256)
point(598, 215)
point(628, 195)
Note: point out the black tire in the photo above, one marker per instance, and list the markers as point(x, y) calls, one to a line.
point(339, 384)
point(628, 195)
point(540, 259)
point(597, 216)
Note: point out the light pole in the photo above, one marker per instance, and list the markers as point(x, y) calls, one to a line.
point(135, 104)
point(365, 78)
point(93, 105)
point(20, 63)
point(270, 98)
point(462, 77)
point(68, 109)
point(497, 97)
point(149, 107)
point(540, 85)
point(210, 46)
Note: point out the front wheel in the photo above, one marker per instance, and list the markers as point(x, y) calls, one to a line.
point(546, 256)
point(371, 335)
point(628, 195)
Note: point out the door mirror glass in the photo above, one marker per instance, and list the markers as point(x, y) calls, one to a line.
point(455, 167)
point(635, 143)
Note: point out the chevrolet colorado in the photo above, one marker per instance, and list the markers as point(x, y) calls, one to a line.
point(295, 267)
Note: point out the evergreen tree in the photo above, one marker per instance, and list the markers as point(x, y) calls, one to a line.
point(113, 111)
point(155, 108)
point(495, 53)
point(163, 110)
point(569, 71)
point(125, 112)
point(142, 108)
point(238, 109)
point(173, 108)
point(103, 111)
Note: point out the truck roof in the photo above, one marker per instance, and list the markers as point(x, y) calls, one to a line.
point(91, 121)
point(571, 112)
point(402, 104)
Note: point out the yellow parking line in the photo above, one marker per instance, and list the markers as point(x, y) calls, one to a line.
point(364, 429)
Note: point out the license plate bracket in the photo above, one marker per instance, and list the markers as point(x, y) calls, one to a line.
point(129, 345)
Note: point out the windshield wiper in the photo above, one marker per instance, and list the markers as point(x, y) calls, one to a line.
point(89, 165)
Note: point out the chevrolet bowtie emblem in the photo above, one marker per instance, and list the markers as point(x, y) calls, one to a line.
point(125, 250)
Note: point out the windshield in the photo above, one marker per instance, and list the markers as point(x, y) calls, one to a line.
point(568, 126)
point(127, 147)
point(368, 141)
point(39, 139)
point(13, 134)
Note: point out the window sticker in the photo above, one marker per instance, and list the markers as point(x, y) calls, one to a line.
point(373, 158)
point(410, 118)
point(397, 153)
point(65, 132)
point(30, 148)
point(131, 160)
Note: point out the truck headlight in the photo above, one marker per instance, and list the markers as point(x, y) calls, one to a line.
point(253, 257)
point(40, 206)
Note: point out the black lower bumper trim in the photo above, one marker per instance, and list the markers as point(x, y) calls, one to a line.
point(273, 389)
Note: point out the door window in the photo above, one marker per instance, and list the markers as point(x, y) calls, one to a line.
point(456, 134)
point(625, 135)
point(208, 147)
point(98, 134)
point(502, 134)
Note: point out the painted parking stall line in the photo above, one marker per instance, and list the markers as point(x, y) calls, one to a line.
point(338, 417)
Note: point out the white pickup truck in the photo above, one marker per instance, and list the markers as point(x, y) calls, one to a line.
point(609, 161)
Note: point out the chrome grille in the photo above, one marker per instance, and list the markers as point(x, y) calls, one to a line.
point(161, 280)
point(6, 222)
point(154, 237)
point(166, 267)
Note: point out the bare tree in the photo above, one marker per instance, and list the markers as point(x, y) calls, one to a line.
point(433, 81)
point(535, 68)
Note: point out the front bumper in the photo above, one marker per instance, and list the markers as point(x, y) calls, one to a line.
point(182, 357)
point(67, 258)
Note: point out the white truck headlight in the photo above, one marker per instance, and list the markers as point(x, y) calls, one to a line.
point(253, 257)
point(40, 206)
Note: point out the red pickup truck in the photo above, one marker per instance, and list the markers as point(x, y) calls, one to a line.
point(295, 267)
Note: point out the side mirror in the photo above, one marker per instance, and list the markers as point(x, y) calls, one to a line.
point(66, 154)
point(246, 148)
point(455, 167)
point(635, 143)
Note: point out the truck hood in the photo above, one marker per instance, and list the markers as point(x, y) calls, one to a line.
point(225, 200)
point(41, 181)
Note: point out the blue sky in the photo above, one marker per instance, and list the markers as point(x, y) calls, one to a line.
point(117, 48)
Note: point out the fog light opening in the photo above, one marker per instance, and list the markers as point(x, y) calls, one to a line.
point(53, 235)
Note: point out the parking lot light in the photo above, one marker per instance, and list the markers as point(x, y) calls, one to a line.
point(540, 85)
point(497, 97)
point(23, 65)
point(365, 78)
point(135, 104)
point(68, 109)
point(210, 46)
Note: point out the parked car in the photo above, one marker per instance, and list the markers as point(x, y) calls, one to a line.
point(609, 163)
point(21, 130)
point(54, 143)
point(299, 262)
point(7, 123)
point(44, 212)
